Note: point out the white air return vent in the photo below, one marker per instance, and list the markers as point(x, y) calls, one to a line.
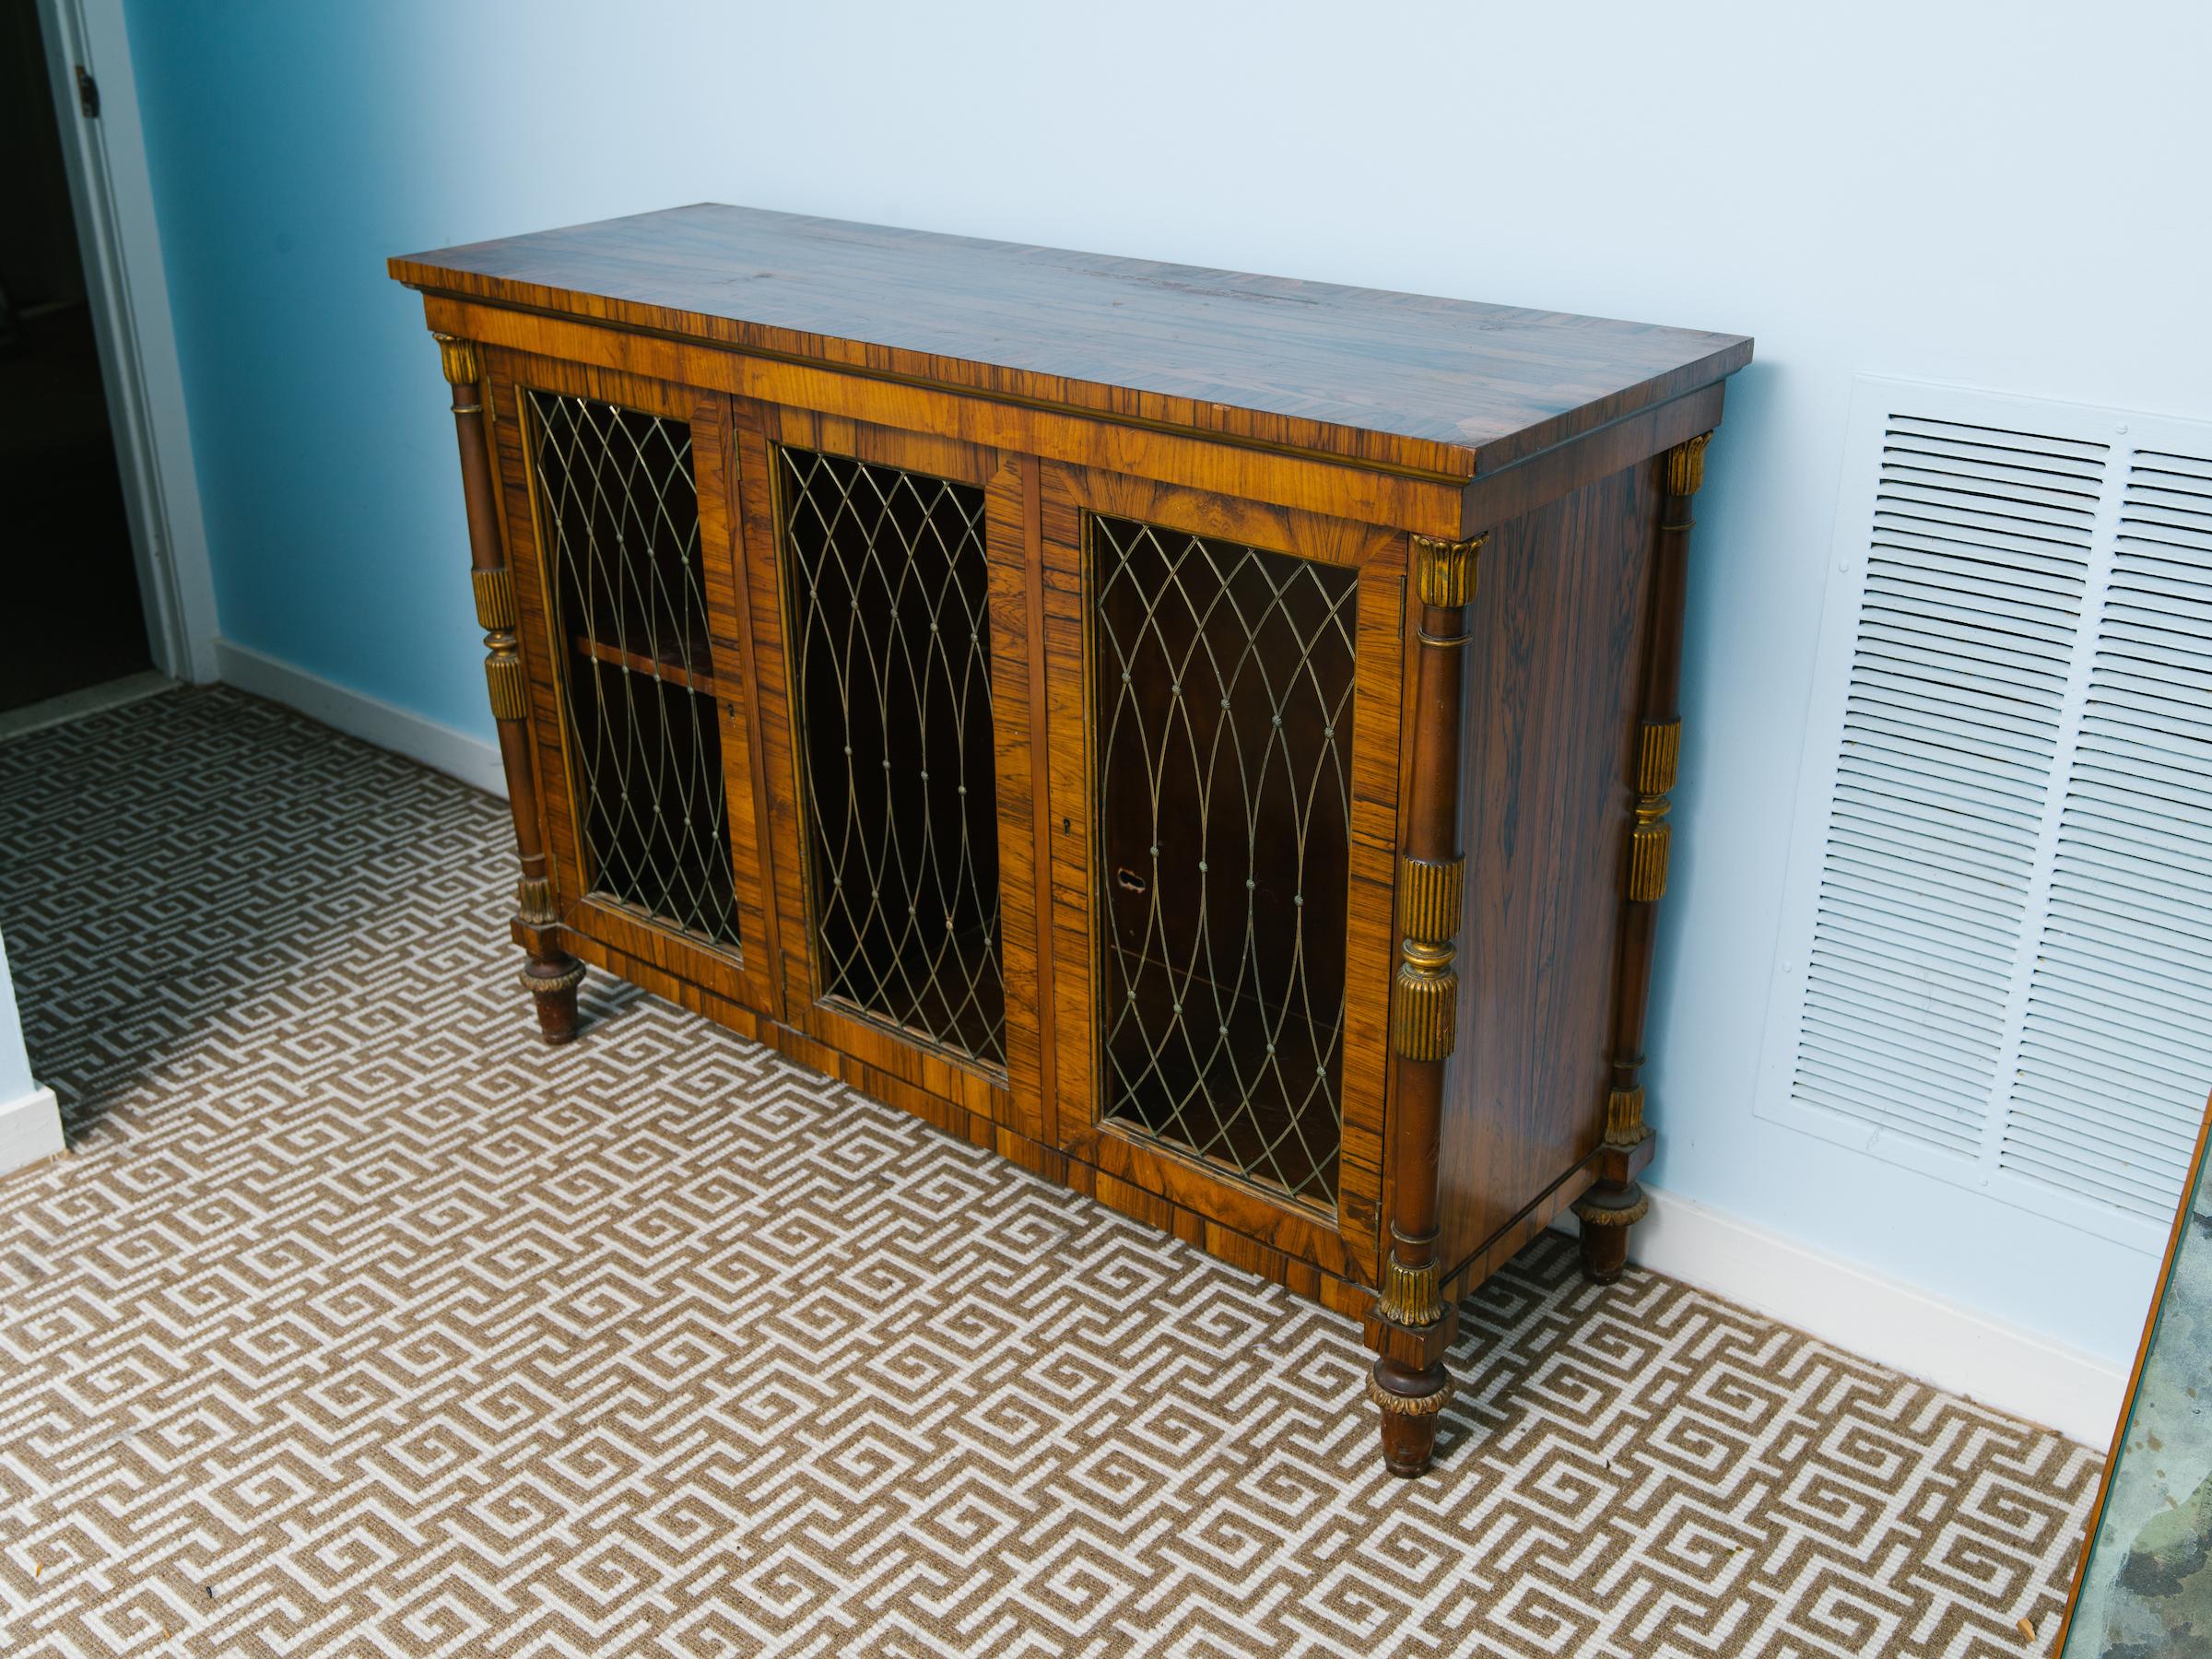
point(1995, 959)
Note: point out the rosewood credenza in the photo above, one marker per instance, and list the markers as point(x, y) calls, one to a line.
point(1205, 736)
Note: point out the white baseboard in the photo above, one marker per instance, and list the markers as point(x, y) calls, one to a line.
point(1886, 1319)
point(471, 759)
point(31, 1129)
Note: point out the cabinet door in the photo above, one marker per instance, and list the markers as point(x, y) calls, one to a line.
point(1224, 683)
point(616, 498)
point(895, 705)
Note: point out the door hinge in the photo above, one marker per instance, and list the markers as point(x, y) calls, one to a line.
point(87, 93)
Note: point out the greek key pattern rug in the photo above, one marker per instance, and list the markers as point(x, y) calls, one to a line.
point(358, 1324)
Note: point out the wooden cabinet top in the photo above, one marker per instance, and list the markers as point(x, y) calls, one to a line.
point(1446, 388)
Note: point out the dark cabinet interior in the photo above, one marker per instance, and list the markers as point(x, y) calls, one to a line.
point(619, 509)
point(1223, 683)
point(887, 589)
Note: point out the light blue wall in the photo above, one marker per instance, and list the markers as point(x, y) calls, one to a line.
point(2007, 197)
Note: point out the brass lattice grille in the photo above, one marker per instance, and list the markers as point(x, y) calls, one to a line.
point(621, 513)
point(1223, 679)
point(891, 641)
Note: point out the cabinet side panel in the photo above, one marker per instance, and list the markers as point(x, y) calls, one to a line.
point(1554, 681)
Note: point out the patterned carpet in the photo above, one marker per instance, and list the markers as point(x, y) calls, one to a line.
point(358, 1324)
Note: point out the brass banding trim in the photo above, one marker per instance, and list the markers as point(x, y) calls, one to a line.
point(1648, 850)
point(1427, 958)
point(495, 599)
point(1446, 641)
point(1627, 1215)
point(1398, 1404)
point(1662, 749)
point(510, 689)
point(1425, 1015)
point(1431, 893)
point(550, 985)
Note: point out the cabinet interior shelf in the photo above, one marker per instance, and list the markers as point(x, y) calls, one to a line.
point(662, 668)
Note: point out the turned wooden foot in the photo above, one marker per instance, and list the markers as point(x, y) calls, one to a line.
point(552, 981)
point(1606, 1212)
point(1410, 1401)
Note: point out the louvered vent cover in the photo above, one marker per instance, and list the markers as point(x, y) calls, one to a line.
point(1994, 959)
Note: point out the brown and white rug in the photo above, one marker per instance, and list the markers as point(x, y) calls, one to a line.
point(358, 1324)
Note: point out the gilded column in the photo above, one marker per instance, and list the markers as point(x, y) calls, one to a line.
point(1410, 1382)
point(550, 974)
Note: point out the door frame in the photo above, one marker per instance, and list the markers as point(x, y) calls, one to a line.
point(111, 199)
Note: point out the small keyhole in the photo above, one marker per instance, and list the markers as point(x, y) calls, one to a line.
point(1129, 881)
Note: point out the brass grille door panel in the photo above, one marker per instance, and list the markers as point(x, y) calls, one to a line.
point(886, 580)
point(618, 513)
point(1222, 683)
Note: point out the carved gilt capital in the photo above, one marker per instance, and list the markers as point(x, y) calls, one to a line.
point(1685, 465)
point(458, 359)
point(1443, 571)
point(533, 901)
point(1409, 1294)
point(1624, 1118)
